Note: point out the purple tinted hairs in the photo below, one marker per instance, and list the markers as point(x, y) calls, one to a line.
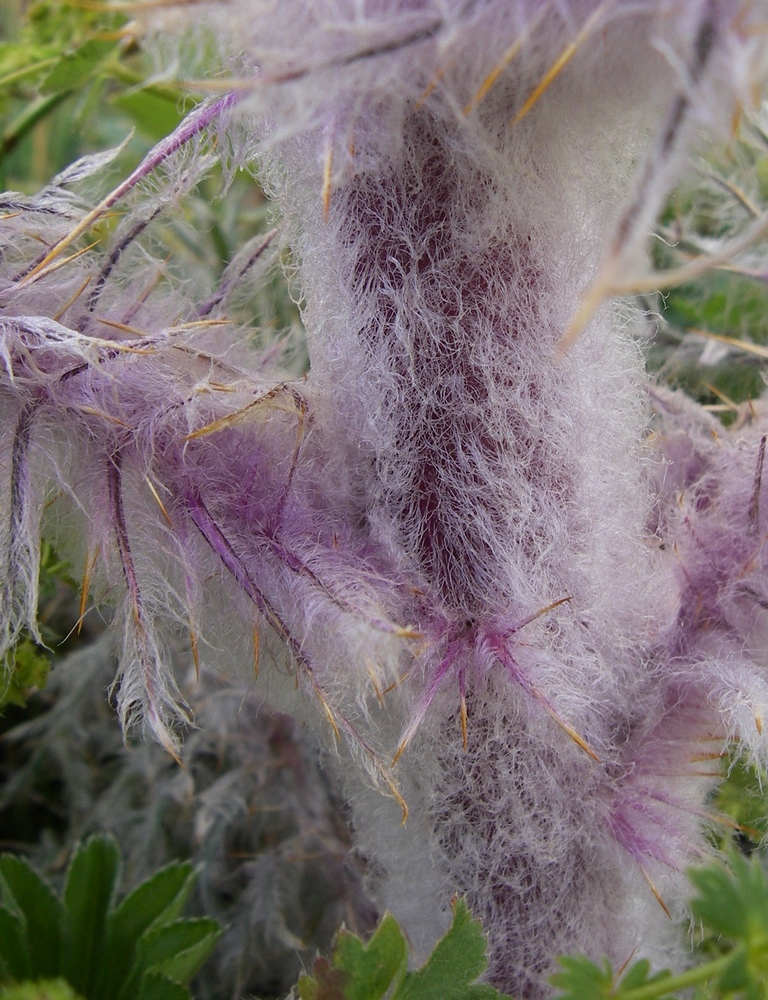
point(520, 616)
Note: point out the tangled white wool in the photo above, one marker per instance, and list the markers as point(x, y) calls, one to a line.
point(454, 177)
point(462, 185)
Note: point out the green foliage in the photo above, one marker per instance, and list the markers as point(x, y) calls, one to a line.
point(743, 798)
point(44, 989)
point(27, 667)
point(72, 60)
point(28, 672)
point(140, 949)
point(713, 339)
point(732, 906)
point(379, 969)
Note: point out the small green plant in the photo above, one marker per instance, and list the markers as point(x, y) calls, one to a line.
point(139, 949)
point(380, 968)
point(731, 906)
point(27, 665)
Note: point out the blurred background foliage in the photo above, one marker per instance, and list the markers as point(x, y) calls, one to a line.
point(710, 338)
point(251, 807)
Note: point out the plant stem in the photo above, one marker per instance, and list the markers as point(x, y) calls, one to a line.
point(691, 977)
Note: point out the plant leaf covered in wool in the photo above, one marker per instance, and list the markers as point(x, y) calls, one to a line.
point(141, 948)
point(521, 587)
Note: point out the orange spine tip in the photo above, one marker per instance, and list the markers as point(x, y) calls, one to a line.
point(657, 895)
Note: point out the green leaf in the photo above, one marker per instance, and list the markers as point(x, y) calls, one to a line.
point(18, 63)
point(28, 670)
point(742, 797)
point(359, 972)
point(736, 976)
point(370, 969)
point(326, 983)
point(731, 904)
point(156, 986)
point(41, 911)
point(43, 989)
point(458, 959)
point(75, 68)
point(14, 950)
point(156, 902)
point(735, 905)
point(177, 950)
point(378, 969)
point(88, 892)
point(582, 979)
point(156, 115)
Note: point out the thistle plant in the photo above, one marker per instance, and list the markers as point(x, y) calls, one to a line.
point(521, 588)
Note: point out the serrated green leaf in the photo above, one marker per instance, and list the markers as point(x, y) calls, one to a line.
point(156, 986)
point(582, 979)
point(176, 950)
point(14, 950)
point(457, 960)
point(156, 902)
point(43, 989)
point(735, 905)
point(371, 968)
point(41, 910)
point(75, 68)
point(89, 889)
point(326, 983)
point(732, 904)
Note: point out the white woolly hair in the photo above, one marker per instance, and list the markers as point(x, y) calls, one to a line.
point(454, 176)
point(457, 524)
